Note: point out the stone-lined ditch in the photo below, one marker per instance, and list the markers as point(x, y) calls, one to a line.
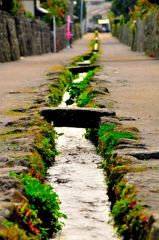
point(26, 205)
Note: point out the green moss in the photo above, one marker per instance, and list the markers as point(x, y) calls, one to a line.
point(37, 166)
point(57, 89)
point(45, 144)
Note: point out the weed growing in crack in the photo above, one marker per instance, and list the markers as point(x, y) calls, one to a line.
point(108, 139)
point(77, 89)
point(85, 97)
point(46, 145)
point(58, 88)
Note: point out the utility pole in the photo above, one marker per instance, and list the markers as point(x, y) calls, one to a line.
point(81, 17)
point(54, 32)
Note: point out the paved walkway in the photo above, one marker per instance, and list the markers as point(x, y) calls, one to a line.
point(132, 78)
point(133, 81)
point(19, 80)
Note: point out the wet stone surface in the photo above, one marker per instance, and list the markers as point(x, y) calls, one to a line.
point(80, 185)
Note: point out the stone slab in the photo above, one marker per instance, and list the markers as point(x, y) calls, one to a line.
point(75, 117)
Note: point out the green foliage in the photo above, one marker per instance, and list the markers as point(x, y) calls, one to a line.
point(57, 89)
point(76, 89)
point(11, 231)
point(108, 139)
point(131, 221)
point(55, 95)
point(93, 58)
point(57, 8)
point(12, 6)
point(105, 128)
point(120, 7)
point(28, 219)
point(29, 15)
point(85, 97)
point(92, 134)
point(142, 9)
point(45, 201)
point(37, 166)
point(46, 145)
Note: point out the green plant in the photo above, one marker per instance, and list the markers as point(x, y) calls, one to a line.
point(85, 97)
point(76, 89)
point(57, 89)
point(92, 134)
point(11, 231)
point(93, 57)
point(28, 220)
point(37, 166)
point(131, 221)
point(57, 8)
point(43, 199)
point(45, 144)
point(130, 217)
point(108, 139)
point(29, 15)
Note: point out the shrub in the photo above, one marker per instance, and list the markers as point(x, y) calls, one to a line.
point(43, 199)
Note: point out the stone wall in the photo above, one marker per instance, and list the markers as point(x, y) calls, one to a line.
point(33, 36)
point(20, 36)
point(142, 36)
point(9, 46)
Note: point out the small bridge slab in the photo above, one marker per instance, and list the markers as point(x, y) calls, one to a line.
point(76, 117)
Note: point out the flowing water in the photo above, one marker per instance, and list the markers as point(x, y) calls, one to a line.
point(79, 182)
point(80, 185)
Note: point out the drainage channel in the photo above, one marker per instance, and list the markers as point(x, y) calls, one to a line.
point(80, 185)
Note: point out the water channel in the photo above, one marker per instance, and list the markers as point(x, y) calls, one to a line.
point(80, 185)
point(81, 188)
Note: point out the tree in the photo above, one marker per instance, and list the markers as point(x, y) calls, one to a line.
point(123, 7)
point(12, 6)
point(142, 8)
point(57, 8)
